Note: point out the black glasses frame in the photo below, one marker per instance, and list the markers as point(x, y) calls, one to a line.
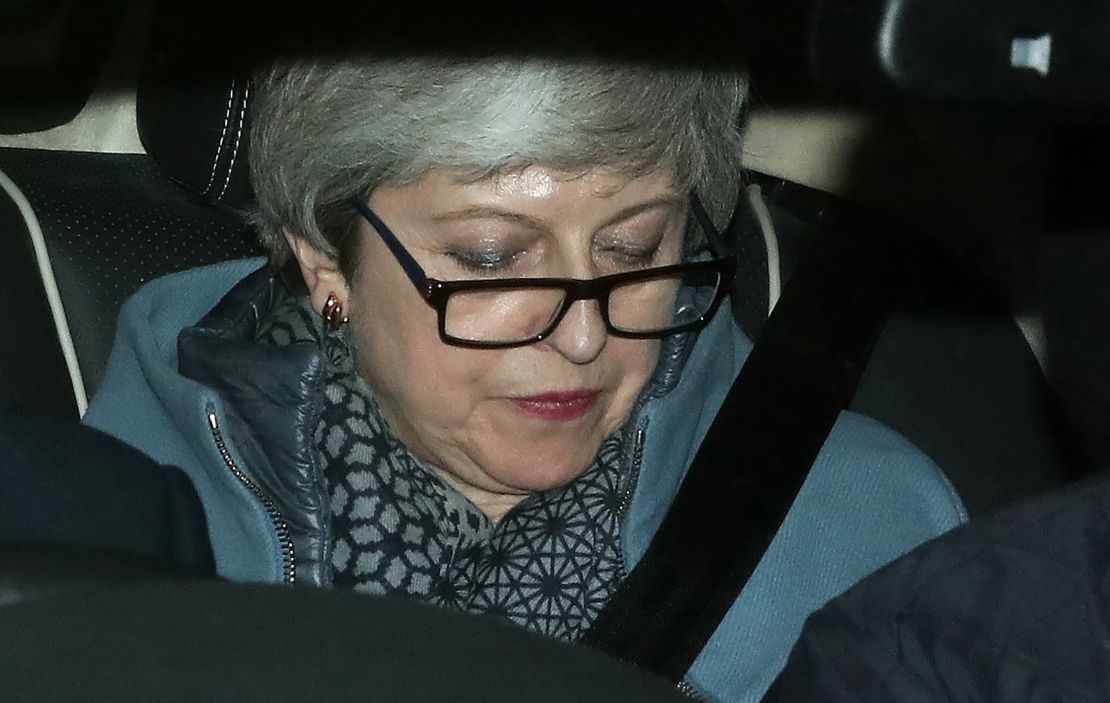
point(437, 292)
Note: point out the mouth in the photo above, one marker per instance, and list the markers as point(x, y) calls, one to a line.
point(558, 405)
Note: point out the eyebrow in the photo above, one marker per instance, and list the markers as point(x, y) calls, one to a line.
point(481, 211)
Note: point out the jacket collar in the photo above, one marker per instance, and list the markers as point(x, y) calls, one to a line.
point(272, 396)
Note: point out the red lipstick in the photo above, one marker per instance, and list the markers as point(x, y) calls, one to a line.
point(558, 405)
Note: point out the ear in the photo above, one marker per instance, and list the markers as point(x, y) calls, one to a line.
point(321, 274)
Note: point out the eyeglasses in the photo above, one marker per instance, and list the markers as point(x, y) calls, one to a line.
point(511, 312)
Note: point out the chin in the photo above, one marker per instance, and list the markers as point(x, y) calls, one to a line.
point(534, 475)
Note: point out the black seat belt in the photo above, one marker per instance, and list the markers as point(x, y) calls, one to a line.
point(802, 371)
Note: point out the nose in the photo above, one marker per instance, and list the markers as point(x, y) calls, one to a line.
point(580, 335)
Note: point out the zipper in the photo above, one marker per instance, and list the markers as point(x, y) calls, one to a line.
point(637, 456)
point(281, 527)
point(629, 488)
point(688, 691)
point(633, 472)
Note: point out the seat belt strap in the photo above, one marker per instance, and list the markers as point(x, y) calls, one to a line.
point(802, 371)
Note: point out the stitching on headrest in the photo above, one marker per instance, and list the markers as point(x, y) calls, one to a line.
point(238, 136)
point(223, 137)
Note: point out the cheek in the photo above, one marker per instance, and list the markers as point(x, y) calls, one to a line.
point(636, 360)
point(416, 378)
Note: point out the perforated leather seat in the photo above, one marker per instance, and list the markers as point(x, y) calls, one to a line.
point(88, 230)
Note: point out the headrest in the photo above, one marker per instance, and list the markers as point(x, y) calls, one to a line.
point(193, 100)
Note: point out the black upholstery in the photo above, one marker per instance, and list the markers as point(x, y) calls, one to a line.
point(111, 223)
point(79, 508)
point(230, 643)
point(750, 294)
point(951, 370)
point(32, 572)
point(205, 155)
point(1077, 321)
point(32, 370)
point(68, 485)
point(193, 97)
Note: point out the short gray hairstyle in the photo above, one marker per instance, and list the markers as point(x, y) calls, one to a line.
point(327, 130)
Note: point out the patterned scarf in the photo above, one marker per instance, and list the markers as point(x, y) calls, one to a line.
point(549, 564)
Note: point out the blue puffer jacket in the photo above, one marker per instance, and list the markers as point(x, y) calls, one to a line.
point(870, 497)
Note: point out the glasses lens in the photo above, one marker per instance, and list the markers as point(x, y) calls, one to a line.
point(655, 304)
point(663, 303)
point(501, 315)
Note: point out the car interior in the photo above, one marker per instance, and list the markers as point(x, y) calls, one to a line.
point(123, 152)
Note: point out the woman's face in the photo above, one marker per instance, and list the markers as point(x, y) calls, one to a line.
point(499, 424)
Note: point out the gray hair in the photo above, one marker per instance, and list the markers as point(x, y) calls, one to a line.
point(327, 130)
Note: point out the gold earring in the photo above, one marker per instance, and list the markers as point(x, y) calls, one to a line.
point(333, 312)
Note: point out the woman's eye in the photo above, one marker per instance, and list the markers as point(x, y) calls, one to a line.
point(486, 262)
point(631, 255)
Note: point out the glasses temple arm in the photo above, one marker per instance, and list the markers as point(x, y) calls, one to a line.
point(716, 242)
point(412, 269)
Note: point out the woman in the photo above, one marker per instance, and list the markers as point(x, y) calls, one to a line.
point(485, 351)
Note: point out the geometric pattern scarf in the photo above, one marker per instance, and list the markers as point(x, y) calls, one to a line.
point(549, 564)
